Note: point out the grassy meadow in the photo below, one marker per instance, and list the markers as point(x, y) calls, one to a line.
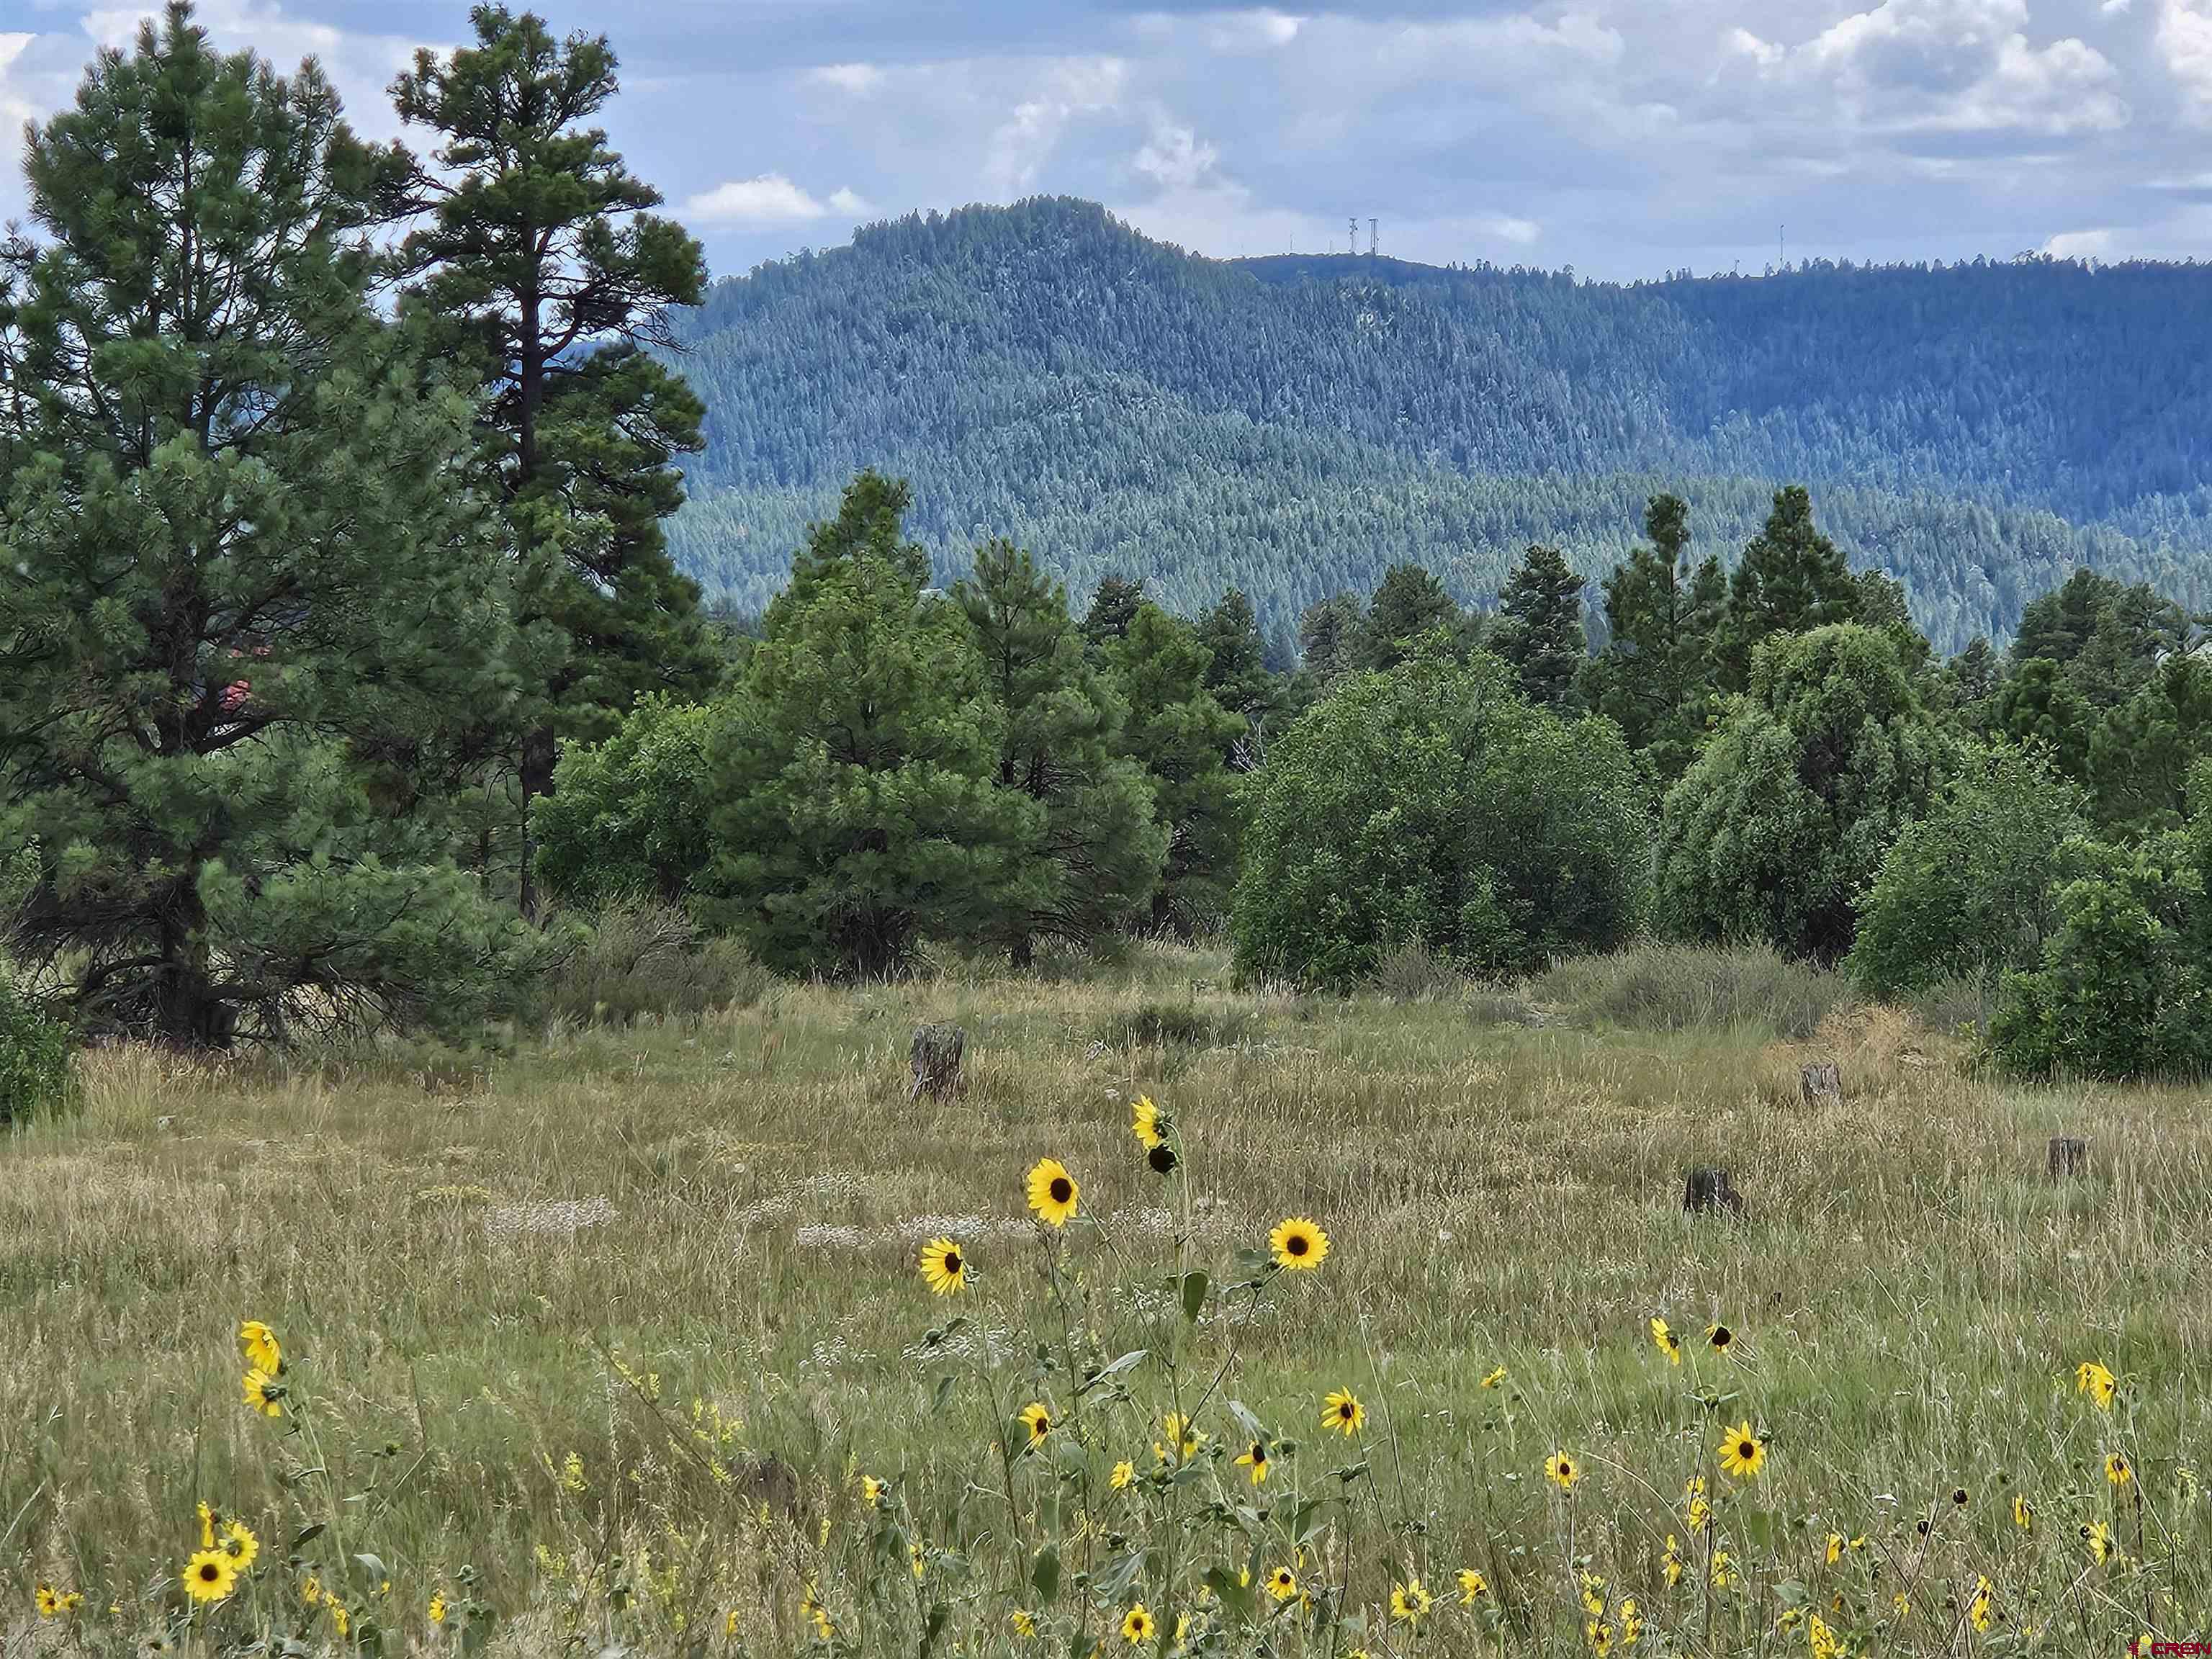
point(602, 1344)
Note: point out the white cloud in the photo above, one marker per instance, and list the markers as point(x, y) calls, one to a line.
point(771, 198)
point(1176, 155)
point(1026, 139)
point(859, 79)
point(2184, 38)
point(2079, 244)
point(851, 202)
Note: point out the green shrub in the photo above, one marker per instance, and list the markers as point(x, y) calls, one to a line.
point(1413, 973)
point(1175, 1026)
point(628, 817)
point(1653, 986)
point(34, 1058)
point(1432, 803)
point(640, 958)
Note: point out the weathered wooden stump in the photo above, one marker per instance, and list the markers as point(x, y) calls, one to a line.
point(1822, 1084)
point(2069, 1156)
point(935, 1058)
point(1706, 1189)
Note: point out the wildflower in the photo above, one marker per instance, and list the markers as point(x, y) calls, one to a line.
point(2117, 1469)
point(1673, 1562)
point(263, 1393)
point(311, 1590)
point(811, 1605)
point(1137, 1625)
point(872, 1490)
point(1183, 1434)
point(1959, 1496)
point(730, 1624)
point(1721, 1562)
point(2094, 1380)
point(1835, 1550)
point(1631, 1622)
point(1257, 1461)
point(917, 1561)
point(1562, 1471)
point(1471, 1585)
point(1052, 1192)
point(1900, 1604)
point(1593, 1595)
point(1821, 1642)
point(2184, 1483)
point(1342, 1413)
point(1668, 1343)
point(207, 1526)
point(1790, 1618)
point(1282, 1583)
point(2023, 1513)
point(49, 1602)
point(2098, 1537)
point(1717, 1337)
point(1298, 1244)
point(1124, 1473)
point(210, 1576)
point(436, 1611)
point(943, 1269)
point(239, 1539)
point(1979, 1612)
point(1023, 1620)
point(1601, 1638)
point(1037, 1417)
point(1144, 1123)
point(1494, 1379)
point(1742, 1452)
point(1410, 1602)
point(1700, 1511)
point(259, 1343)
point(341, 1619)
point(572, 1473)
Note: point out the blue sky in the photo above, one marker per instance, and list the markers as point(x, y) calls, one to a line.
point(1623, 137)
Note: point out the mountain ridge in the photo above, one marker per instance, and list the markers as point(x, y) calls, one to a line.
point(1293, 423)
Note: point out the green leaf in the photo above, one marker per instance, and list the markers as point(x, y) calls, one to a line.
point(1128, 1363)
point(944, 1392)
point(1195, 1287)
point(1044, 1573)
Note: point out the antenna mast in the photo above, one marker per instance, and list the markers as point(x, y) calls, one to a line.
point(1352, 236)
point(1370, 238)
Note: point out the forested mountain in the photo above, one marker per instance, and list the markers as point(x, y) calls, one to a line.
point(1294, 425)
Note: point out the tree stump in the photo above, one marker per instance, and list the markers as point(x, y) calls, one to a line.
point(935, 1058)
point(2070, 1156)
point(1822, 1084)
point(1708, 1189)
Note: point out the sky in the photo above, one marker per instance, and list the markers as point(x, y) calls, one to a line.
point(1624, 139)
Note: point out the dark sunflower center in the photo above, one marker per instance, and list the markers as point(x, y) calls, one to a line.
point(1744, 1449)
point(210, 1572)
point(952, 1262)
point(1345, 1409)
point(1062, 1189)
point(1259, 1454)
point(1296, 1243)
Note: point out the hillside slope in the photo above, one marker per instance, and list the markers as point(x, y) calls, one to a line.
point(1294, 425)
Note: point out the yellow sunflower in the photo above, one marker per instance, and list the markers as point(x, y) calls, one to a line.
point(48, 1599)
point(2118, 1470)
point(1025, 1624)
point(239, 1539)
point(1282, 1583)
point(1124, 1473)
point(1299, 1245)
point(1341, 1411)
point(436, 1611)
point(944, 1268)
point(1137, 1625)
point(1674, 1561)
point(1183, 1435)
point(2098, 1537)
point(1037, 1417)
point(1052, 1192)
point(1410, 1602)
point(1562, 1471)
point(1742, 1452)
point(1144, 1123)
point(263, 1393)
point(1665, 1341)
point(2099, 1383)
point(1699, 1511)
point(2023, 1513)
point(1255, 1459)
point(260, 1346)
point(1471, 1584)
point(210, 1576)
point(1493, 1379)
point(1835, 1550)
point(1718, 1337)
point(1980, 1612)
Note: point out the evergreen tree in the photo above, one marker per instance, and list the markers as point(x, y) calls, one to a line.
point(2143, 753)
point(1329, 633)
point(1180, 736)
point(1237, 675)
point(1541, 630)
point(1791, 578)
point(1410, 609)
point(1654, 678)
point(855, 777)
point(1113, 608)
point(871, 519)
point(242, 577)
point(1970, 677)
point(542, 258)
point(2038, 704)
point(1098, 850)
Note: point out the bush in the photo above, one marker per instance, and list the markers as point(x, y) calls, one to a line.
point(1175, 1025)
point(34, 1058)
point(628, 817)
point(1787, 813)
point(1411, 972)
point(641, 958)
point(1658, 986)
point(1432, 803)
point(1969, 892)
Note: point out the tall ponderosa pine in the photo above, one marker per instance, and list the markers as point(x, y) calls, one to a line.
point(1791, 579)
point(241, 563)
point(1540, 633)
point(1097, 854)
point(1181, 737)
point(543, 255)
point(1236, 674)
point(1113, 608)
point(1655, 677)
point(1410, 610)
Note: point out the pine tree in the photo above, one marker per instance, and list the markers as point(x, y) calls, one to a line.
point(1654, 678)
point(1329, 632)
point(244, 586)
point(1180, 736)
point(1541, 631)
point(1113, 608)
point(543, 257)
point(1791, 578)
point(1409, 612)
point(1236, 674)
point(1098, 851)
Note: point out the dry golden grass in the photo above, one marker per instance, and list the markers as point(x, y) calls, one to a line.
point(583, 1249)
